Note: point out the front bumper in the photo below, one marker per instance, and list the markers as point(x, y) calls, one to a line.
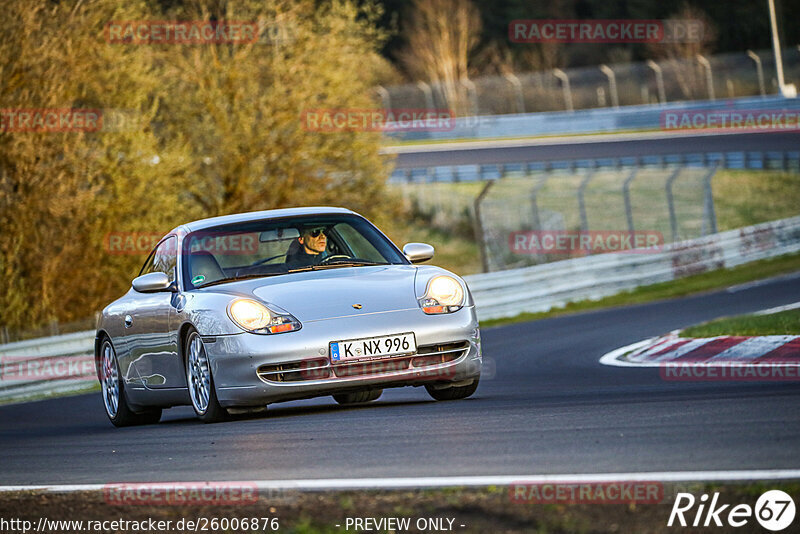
point(236, 359)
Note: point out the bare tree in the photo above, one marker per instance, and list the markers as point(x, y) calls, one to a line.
point(441, 35)
point(680, 54)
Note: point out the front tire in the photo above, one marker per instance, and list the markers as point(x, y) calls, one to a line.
point(452, 393)
point(358, 397)
point(201, 382)
point(115, 400)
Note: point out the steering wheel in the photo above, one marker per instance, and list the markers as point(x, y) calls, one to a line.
point(259, 262)
point(335, 257)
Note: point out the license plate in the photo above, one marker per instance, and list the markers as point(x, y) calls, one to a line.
point(373, 347)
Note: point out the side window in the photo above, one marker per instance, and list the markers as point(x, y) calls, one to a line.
point(163, 259)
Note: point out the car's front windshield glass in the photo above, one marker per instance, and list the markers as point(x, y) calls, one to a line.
point(283, 246)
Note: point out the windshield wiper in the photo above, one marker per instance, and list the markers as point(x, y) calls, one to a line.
point(350, 263)
point(237, 278)
point(334, 264)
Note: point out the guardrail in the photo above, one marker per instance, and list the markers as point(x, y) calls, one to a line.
point(47, 365)
point(587, 121)
point(499, 294)
point(543, 287)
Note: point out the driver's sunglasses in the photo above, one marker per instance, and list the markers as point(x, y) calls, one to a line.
point(315, 232)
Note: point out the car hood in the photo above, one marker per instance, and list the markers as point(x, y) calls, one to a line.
point(326, 294)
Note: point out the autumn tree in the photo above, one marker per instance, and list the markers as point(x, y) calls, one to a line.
point(210, 129)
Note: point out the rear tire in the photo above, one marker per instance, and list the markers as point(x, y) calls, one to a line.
point(452, 393)
point(358, 397)
point(200, 381)
point(115, 399)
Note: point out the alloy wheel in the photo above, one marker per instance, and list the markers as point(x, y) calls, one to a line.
point(199, 374)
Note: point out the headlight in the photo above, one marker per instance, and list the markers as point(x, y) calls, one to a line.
point(443, 295)
point(254, 317)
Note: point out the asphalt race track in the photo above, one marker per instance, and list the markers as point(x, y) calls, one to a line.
point(550, 408)
point(602, 147)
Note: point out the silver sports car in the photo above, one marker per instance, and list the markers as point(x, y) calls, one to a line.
point(232, 313)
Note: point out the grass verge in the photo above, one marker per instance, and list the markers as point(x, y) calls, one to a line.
point(690, 285)
point(746, 197)
point(774, 324)
point(465, 510)
point(32, 397)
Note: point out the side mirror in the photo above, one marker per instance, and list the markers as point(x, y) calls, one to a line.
point(151, 282)
point(418, 252)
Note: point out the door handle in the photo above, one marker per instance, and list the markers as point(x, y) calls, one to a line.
point(128, 321)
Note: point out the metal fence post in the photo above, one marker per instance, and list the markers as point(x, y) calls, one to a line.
point(480, 238)
point(581, 199)
point(472, 94)
point(537, 220)
point(752, 55)
point(662, 94)
point(626, 192)
point(612, 84)
point(709, 200)
point(709, 80)
point(386, 100)
point(512, 78)
point(426, 90)
point(561, 75)
point(673, 219)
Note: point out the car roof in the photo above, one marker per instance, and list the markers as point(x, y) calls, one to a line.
point(259, 215)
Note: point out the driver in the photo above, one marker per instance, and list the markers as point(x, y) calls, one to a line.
point(309, 247)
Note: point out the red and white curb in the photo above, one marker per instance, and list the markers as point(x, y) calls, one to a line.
point(721, 351)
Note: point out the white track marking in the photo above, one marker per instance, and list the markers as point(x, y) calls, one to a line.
point(612, 358)
point(763, 282)
point(778, 309)
point(451, 481)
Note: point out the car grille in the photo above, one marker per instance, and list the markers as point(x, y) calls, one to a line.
point(301, 371)
point(436, 354)
point(321, 369)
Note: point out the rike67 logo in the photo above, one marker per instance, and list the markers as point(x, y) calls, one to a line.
point(774, 510)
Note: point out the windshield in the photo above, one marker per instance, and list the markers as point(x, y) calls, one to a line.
point(276, 247)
